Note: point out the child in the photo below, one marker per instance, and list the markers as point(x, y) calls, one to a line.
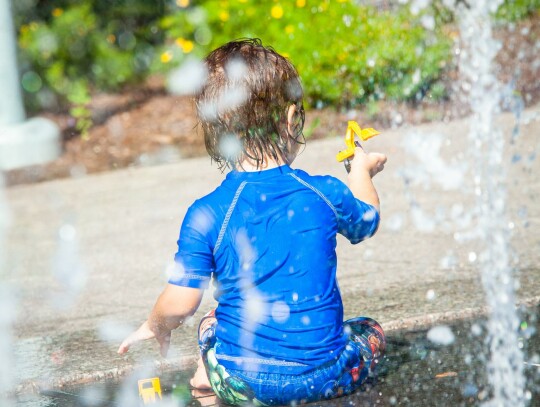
point(267, 235)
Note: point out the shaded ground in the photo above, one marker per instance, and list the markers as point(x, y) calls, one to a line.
point(145, 126)
point(414, 372)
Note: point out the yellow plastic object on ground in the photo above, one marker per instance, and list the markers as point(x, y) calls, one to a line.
point(352, 129)
point(148, 388)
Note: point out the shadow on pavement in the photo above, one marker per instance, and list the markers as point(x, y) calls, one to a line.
point(415, 371)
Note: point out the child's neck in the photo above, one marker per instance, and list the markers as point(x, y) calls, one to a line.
point(267, 164)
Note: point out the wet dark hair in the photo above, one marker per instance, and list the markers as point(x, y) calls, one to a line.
point(244, 103)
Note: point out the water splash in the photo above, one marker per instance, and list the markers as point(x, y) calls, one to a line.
point(7, 307)
point(187, 79)
point(67, 269)
point(505, 367)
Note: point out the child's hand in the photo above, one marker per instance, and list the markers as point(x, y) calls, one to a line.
point(142, 334)
point(373, 163)
point(363, 168)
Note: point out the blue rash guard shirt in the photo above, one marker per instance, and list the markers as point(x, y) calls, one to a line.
point(268, 238)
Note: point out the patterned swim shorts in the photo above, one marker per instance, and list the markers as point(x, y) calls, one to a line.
point(356, 363)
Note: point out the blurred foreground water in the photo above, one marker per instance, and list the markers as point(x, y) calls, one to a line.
point(420, 369)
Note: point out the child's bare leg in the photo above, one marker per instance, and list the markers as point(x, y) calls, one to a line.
point(200, 378)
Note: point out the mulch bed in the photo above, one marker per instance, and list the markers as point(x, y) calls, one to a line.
point(145, 126)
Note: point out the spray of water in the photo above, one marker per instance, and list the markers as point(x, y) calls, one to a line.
point(7, 308)
point(505, 367)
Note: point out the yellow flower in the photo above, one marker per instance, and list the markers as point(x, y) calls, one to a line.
point(186, 45)
point(180, 42)
point(289, 29)
point(166, 57)
point(300, 3)
point(182, 3)
point(24, 29)
point(224, 15)
point(111, 38)
point(57, 12)
point(277, 11)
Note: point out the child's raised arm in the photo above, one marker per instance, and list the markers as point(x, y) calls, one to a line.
point(172, 307)
point(363, 168)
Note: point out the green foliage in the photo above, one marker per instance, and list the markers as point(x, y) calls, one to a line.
point(79, 97)
point(99, 44)
point(345, 53)
point(508, 11)
point(513, 10)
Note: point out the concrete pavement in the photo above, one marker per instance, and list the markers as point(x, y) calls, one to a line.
point(87, 256)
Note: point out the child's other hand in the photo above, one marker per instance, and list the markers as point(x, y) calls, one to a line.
point(373, 163)
point(142, 334)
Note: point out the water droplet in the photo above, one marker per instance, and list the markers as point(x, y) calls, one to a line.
point(394, 222)
point(476, 330)
point(230, 147)
point(470, 390)
point(428, 22)
point(31, 82)
point(236, 70)
point(430, 295)
point(280, 312)
point(441, 335)
point(369, 215)
point(448, 262)
point(67, 232)
point(188, 79)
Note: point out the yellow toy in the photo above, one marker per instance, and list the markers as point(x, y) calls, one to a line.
point(354, 129)
point(148, 388)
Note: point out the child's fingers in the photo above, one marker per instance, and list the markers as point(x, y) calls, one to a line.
point(140, 334)
point(124, 346)
point(380, 158)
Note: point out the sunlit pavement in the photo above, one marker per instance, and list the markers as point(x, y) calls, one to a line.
point(115, 234)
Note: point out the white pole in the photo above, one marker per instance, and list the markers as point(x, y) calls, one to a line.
point(22, 143)
point(11, 105)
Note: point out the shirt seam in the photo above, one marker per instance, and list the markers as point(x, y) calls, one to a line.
point(193, 277)
point(272, 362)
point(228, 217)
point(321, 195)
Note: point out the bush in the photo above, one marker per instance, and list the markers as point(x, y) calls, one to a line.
point(345, 53)
point(98, 44)
point(513, 10)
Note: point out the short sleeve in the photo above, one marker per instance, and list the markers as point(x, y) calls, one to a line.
point(357, 220)
point(194, 260)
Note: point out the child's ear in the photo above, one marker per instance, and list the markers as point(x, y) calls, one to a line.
point(290, 117)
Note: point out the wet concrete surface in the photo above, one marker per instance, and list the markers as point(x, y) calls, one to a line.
point(414, 372)
point(116, 234)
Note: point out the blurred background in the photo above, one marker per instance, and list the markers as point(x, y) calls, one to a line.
point(83, 259)
point(100, 68)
